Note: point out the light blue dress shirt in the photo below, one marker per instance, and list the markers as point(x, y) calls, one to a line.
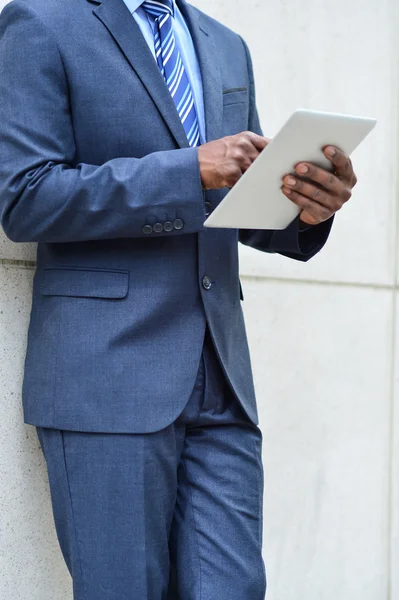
point(187, 52)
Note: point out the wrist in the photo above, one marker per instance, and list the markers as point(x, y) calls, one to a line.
point(302, 226)
point(202, 167)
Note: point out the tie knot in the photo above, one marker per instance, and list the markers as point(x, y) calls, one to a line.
point(157, 8)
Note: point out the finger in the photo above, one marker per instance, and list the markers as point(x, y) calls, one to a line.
point(315, 193)
point(233, 175)
point(244, 153)
point(341, 161)
point(317, 211)
point(249, 151)
point(246, 164)
point(324, 178)
point(256, 140)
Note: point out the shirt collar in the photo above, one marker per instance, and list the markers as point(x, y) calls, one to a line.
point(133, 5)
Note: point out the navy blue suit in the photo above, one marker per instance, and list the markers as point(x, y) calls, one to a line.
point(93, 157)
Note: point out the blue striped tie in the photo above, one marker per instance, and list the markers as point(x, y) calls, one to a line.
point(171, 66)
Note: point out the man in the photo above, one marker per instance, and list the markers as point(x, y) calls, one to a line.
point(123, 124)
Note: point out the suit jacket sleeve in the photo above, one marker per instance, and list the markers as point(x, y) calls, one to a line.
point(44, 195)
point(291, 242)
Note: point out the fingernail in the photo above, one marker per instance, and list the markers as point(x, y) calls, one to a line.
point(331, 151)
point(302, 169)
point(286, 190)
point(290, 181)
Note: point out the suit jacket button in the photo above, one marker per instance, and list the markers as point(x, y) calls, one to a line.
point(147, 229)
point(158, 227)
point(208, 209)
point(178, 224)
point(207, 283)
point(168, 226)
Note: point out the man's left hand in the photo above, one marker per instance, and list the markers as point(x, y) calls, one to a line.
point(320, 193)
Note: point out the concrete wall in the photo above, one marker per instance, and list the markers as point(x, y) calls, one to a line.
point(323, 335)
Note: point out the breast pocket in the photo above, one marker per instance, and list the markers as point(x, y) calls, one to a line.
point(235, 110)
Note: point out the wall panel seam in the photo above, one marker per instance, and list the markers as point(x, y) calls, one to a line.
point(321, 282)
point(8, 262)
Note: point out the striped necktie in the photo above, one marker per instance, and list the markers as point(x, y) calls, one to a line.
point(171, 65)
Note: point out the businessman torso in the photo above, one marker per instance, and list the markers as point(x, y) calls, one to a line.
point(117, 325)
point(101, 175)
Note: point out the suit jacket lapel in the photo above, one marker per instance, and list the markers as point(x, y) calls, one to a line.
point(211, 76)
point(117, 19)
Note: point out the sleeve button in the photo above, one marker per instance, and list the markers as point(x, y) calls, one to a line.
point(147, 229)
point(178, 224)
point(168, 226)
point(158, 227)
point(208, 209)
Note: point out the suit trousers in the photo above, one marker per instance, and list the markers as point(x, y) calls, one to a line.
point(170, 515)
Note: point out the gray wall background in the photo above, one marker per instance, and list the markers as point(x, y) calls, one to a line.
point(323, 335)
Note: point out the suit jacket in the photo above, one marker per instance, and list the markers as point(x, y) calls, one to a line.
point(93, 157)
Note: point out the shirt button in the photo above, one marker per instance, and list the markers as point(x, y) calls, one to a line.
point(168, 226)
point(178, 224)
point(207, 283)
point(147, 229)
point(158, 227)
point(208, 209)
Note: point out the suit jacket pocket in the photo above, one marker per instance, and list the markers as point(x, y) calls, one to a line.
point(235, 96)
point(235, 112)
point(84, 283)
point(81, 329)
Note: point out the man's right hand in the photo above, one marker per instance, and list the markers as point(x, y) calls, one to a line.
point(224, 161)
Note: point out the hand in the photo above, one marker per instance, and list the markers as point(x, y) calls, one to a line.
point(224, 161)
point(319, 193)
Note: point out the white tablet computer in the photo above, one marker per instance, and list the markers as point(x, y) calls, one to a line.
point(256, 201)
